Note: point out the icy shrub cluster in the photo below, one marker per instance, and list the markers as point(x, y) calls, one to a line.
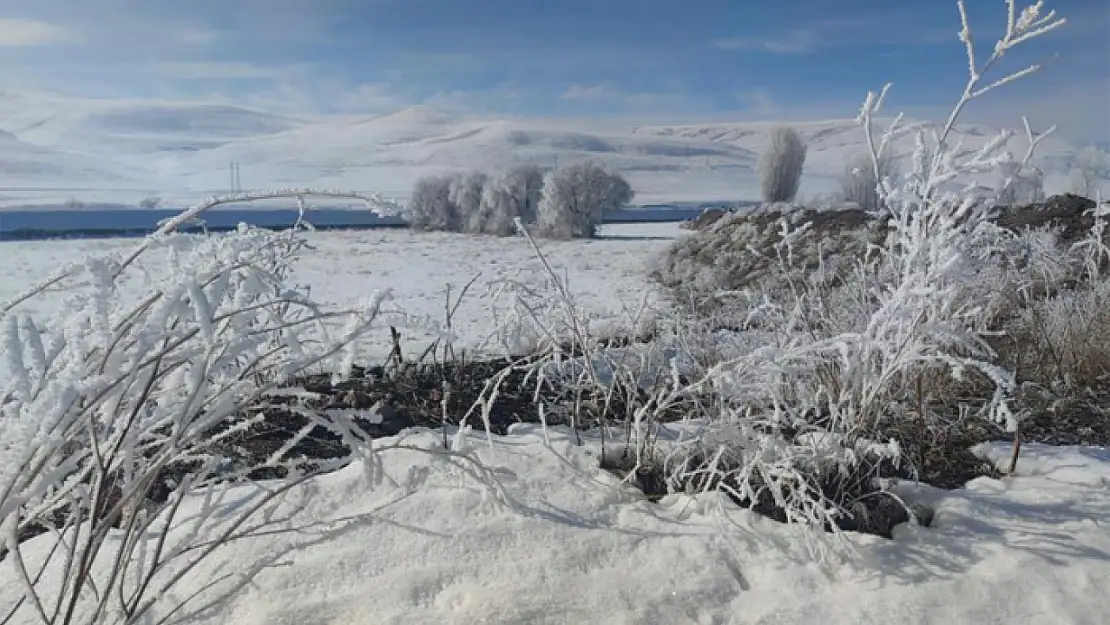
point(859, 184)
point(1055, 321)
point(842, 347)
point(568, 202)
point(1020, 185)
point(113, 414)
point(843, 325)
point(1089, 172)
point(576, 198)
point(781, 165)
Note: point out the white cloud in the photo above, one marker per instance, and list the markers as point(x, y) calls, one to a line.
point(611, 96)
point(798, 41)
point(195, 36)
point(22, 33)
point(758, 102)
point(369, 98)
point(591, 93)
point(893, 28)
point(220, 70)
point(1079, 110)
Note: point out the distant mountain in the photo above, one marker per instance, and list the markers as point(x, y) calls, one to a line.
point(832, 143)
point(125, 128)
point(24, 164)
point(183, 150)
point(388, 152)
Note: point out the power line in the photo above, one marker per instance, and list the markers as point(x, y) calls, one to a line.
point(236, 177)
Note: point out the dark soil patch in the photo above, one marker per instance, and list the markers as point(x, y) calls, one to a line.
point(380, 402)
point(1067, 213)
point(1077, 418)
point(864, 506)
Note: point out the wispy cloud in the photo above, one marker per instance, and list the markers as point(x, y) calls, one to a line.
point(888, 28)
point(708, 59)
point(758, 102)
point(370, 97)
point(23, 33)
point(612, 98)
point(222, 70)
point(195, 35)
point(798, 41)
point(591, 93)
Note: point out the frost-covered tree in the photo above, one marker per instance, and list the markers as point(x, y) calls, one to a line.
point(576, 198)
point(466, 196)
point(781, 164)
point(1089, 168)
point(859, 184)
point(525, 184)
point(431, 207)
point(512, 194)
point(1020, 185)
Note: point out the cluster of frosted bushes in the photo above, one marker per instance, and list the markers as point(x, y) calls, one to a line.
point(831, 333)
point(1038, 277)
point(568, 202)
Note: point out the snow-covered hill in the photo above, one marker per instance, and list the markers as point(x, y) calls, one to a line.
point(181, 151)
point(832, 143)
point(24, 164)
point(126, 128)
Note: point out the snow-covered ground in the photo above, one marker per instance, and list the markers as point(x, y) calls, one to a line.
point(60, 149)
point(607, 275)
point(575, 547)
point(423, 542)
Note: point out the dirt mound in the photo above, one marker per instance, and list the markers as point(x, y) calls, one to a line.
point(733, 250)
point(1070, 214)
point(704, 220)
point(738, 250)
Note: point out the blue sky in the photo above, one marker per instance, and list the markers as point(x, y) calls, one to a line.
point(681, 60)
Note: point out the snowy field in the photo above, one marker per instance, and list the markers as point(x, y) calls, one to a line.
point(607, 275)
point(422, 540)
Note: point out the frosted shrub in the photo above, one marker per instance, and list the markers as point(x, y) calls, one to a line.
point(498, 210)
point(1063, 339)
point(819, 370)
point(1057, 337)
point(507, 196)
point(781, 165)
point(431, 206)
point(1089, 171)
point(859, 183)
point(576, 198)
point(475, 202)
point(1020, 185)
point(742, 252)
point(931, 314)
point(113, 414)
point(465, 196)
point(526, 185)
